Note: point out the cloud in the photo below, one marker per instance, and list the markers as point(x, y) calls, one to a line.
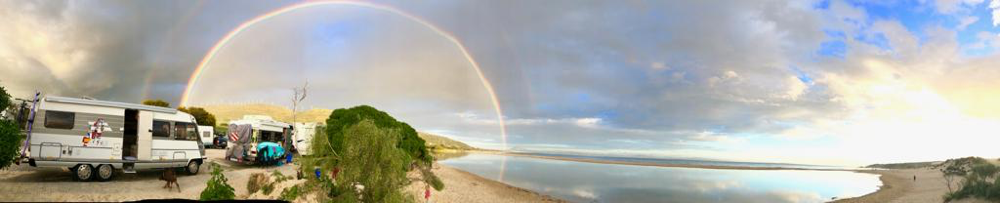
point(656, 78)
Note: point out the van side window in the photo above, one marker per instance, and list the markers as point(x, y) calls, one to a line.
point(59, 120)
point(180, 132)
point(185, 131)
point(161, 129)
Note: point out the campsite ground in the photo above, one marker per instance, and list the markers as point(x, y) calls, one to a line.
point(25, 183)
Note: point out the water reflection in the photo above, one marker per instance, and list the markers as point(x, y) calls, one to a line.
point(590, 182)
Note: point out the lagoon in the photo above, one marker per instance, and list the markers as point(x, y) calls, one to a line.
point(595, 182)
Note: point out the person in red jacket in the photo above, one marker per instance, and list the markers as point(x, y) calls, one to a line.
point(427, 193)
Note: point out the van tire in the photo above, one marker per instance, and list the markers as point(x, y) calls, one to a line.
point(105, 172)
point(193, 167)
point(83, 172)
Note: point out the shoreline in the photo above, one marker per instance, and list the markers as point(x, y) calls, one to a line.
point(463, 186)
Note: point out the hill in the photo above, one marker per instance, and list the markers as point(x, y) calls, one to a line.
point(437, 141)
point(227, 112)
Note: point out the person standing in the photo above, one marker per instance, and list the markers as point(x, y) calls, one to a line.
point(427, 193)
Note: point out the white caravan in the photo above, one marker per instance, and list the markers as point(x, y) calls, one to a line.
point(206, 133)
point(94, 138)
point(263, 129)
point(303, 136)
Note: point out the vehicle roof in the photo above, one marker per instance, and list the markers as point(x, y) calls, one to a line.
point(69, 100)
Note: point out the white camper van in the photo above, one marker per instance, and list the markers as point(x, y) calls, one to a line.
point(262, 129)
point(206, 133)
point(94, 138)
point(303, 136)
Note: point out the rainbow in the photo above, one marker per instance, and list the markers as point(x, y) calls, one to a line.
point(454, 40)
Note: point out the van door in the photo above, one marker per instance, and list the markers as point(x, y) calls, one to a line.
point(145, 140)
point(130, 136)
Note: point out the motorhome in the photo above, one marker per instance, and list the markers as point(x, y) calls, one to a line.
point(95, 138)
point(246, 133)
point(206, 133)
point(304, 133)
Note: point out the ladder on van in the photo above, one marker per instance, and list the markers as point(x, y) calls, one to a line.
point(31, 120)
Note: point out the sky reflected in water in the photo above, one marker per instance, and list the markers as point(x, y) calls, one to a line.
point(590, 182)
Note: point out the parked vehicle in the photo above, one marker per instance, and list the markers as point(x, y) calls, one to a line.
point(304, 133)
point(206, 134)
point(220, 142)
point(94, 138)
point(245, 134)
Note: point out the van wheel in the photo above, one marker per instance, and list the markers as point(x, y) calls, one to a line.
point(193, 167)
point(105, 172)
point(83, 172)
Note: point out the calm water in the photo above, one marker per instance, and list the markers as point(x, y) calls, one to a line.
point(697, 162)
point(590, 182)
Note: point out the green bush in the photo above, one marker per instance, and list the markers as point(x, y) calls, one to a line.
point(290, 194)
point(407, 140)
point(370, 158)
point(980, 180)
point(218, 188)
point(10, 142)
point(10, 134)
point(268, 188)
point(201, 116)
point(4, 99)
point(256, 182)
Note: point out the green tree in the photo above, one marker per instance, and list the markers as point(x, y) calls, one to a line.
point(203, 117)
point(218, 188)
point(10, 134)
point(408, 140)
point(157, 102)
point(4, 99)
point(370, 158)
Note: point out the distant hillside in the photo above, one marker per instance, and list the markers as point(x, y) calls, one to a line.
point(904, 165)
point(437, 141)
point(226, 113)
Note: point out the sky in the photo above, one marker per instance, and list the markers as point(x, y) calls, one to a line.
point(834, 82)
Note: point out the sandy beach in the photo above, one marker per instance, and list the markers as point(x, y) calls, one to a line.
point(24, 183)
point(462, 186)
point(899, 186)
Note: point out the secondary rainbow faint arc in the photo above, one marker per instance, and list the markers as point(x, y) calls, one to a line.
point(243, 26)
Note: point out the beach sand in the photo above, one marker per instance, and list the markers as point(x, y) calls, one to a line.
point(899, 186)
point(461, 186)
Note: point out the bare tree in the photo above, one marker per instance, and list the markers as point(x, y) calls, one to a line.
point(299, 94)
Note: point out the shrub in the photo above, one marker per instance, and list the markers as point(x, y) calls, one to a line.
point(256, 182)
point(157, 102)
point(268, 188)
point(339, 119)
point(10, 142)
point(290, 194)
point(371, 159)
point(202, 116)
point(980, 181)
point(4, 99)
point(218, 188)
point(278, 177)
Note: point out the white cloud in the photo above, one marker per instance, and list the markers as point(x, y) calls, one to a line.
point(966, 21)
point(995, 6)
